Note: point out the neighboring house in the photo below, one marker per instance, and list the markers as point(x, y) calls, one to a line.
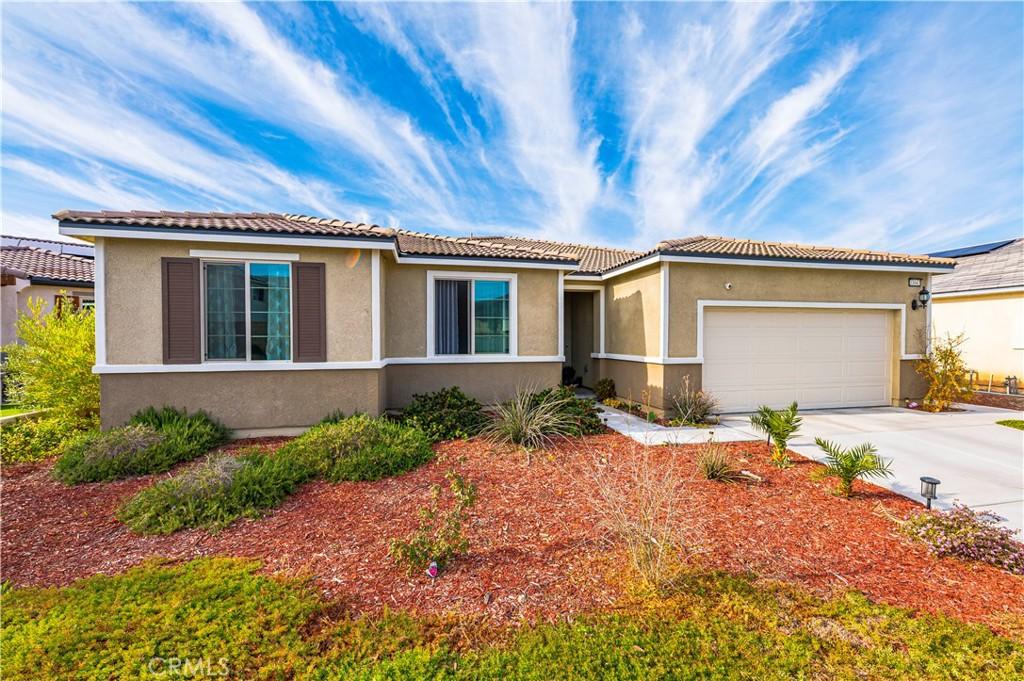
point(272, 321)
point(983, 298)
point(41, 269)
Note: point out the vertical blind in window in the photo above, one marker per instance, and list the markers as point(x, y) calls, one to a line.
point(482, 311)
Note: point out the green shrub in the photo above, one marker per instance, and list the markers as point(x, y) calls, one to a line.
point(583, 414)
point(849, 464)
point(604, 389)
point(360, 448)
point(439, 537)
point(448, 414)
point(51, 368)
point(153, 441)
point(780, 426)
point(215, 492)
point(35, 438)
point(946, 371)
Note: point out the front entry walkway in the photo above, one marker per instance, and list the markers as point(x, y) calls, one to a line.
point(654, 434)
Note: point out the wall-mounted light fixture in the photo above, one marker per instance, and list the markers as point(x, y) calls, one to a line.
point(923, 296)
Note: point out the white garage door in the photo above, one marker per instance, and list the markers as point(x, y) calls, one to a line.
point(820, 358)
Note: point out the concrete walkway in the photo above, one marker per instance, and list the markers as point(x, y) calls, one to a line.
point(980, 463)
point(653, 434)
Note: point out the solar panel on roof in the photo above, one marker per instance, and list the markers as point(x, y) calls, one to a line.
point(971, 250)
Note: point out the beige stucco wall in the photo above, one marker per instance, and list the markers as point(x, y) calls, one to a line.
point(689, 282)
point(244, 399)
point(14, 300)
point(654, 384)
point(133, 296)
point(633, 313)
point(994, 327)
point(405, 309)
point(488, 383)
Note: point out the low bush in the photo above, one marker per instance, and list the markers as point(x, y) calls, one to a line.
point(531, 420)
point(448, 414)
point(946, 371)
point(154, 441)
point(604, 389)
point(967, 534)
point(583, 413)
point(714, 463)
point(40, 437)
point(849, 464)
point(215, 492)
point(360, 448)
point(692, 407)
point(439, 537)
point(779, 426)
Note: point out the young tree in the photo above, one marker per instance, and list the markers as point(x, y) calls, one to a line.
point(946, 371)
point(52, 366)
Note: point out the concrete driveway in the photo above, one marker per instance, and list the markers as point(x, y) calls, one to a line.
point(980, 464)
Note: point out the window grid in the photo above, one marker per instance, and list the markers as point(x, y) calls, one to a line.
point(246, 290)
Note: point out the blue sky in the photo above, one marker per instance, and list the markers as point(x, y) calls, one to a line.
point(894, 126)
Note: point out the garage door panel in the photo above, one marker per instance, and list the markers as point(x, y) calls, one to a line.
point(820, 358)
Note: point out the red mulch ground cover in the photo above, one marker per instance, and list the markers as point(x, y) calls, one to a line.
point(536, 547)
point(1015, 402)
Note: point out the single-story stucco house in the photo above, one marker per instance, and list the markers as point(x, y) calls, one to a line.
point(41, 269)
point(271, 321)
point(984, 300)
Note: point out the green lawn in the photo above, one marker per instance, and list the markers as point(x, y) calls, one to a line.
point(219, 615)
point(1012, 423)
point(11, 410)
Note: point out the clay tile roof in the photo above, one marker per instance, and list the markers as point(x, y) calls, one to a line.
point(37, 263)
point(1001, 267)
point(408, 242)
point(745, 248)
point(267, 223)
point(593, 259)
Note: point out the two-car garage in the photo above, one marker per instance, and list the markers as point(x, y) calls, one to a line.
point(822, 358)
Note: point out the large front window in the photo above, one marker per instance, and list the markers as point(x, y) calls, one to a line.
point(471, 316)
point(247, 310)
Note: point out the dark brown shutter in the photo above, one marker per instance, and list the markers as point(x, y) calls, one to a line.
point(309, 312)
point(182, 313)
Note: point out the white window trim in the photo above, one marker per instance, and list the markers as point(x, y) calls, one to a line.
point(248, 317)
point(261, 256)
point(513, 312)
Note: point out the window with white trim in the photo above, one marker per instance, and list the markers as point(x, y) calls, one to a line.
point(472, 315)
point(247, 311)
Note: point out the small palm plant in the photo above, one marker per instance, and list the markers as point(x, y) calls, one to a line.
point(861, 461)
point(779, 426)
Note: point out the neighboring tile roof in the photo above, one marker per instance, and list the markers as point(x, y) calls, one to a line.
point(721, 246)
point(268, 223)
point(593, 259)
point(412, 243)
point(36, 263)
point(999, 268)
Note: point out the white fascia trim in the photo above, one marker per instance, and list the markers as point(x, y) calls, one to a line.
point(483, 262)
point(646, 261)
point(582, 277)
point(375, 305)
point(227, 238)
point(978, 292)
point(215, 367)
point(100, 300)
point(243, 255)
point(647, 360)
